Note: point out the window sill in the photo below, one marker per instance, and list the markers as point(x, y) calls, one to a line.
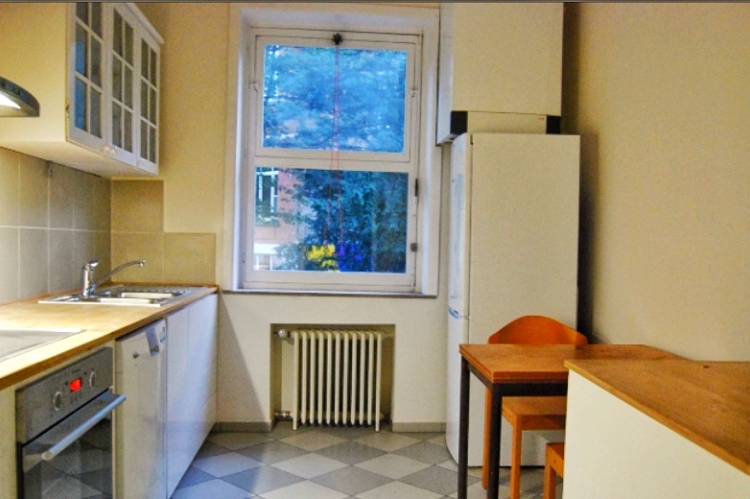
point(305, 292)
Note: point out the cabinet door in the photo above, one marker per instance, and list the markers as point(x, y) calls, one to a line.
point(86, 98)
point(122, 79)
point(179, 394)
point(148, 153)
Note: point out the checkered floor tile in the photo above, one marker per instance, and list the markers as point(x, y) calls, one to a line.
point(334, 463)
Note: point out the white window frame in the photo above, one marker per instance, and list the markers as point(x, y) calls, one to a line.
point(249, 20)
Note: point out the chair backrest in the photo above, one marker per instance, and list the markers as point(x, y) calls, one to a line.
point(537, 330)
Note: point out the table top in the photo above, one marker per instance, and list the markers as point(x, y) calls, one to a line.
point(505, 363)
point(706, 402)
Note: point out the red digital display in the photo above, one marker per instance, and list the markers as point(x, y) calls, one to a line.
point(76, 384)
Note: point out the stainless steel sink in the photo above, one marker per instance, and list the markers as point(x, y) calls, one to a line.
point(16, 341)
point(128, 295)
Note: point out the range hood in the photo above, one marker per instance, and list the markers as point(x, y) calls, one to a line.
point(15, 101)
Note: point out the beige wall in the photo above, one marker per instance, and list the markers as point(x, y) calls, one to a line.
point(194, 114)
point(660, 94)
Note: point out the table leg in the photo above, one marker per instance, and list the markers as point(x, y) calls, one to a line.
point(496, 405)
point(463, 431)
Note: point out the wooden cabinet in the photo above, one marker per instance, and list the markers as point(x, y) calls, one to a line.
point(94, 68)
point(191, 384)
point(500, 67)
point(657, 429)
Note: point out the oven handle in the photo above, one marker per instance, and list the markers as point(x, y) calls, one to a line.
point(74, 435)
point(102, 407)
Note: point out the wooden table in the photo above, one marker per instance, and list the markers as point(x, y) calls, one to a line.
point(523, 370)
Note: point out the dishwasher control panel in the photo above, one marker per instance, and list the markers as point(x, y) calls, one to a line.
point(48, 400)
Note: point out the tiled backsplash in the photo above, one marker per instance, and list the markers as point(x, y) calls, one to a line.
point(53, 219)
point(138, 233)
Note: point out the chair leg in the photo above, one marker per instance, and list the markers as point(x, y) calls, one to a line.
point(550, 482)
point(515, 462)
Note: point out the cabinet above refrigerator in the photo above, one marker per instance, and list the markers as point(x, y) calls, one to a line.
point(498, 60)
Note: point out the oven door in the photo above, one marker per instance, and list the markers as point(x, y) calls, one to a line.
point(73, 459)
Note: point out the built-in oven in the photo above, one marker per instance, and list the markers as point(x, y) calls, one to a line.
point(64, 431)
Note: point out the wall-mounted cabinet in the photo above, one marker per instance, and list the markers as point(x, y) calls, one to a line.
point(94, 68)
point(500, 64)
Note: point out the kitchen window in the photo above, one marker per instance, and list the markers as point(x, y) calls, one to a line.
point(338, 166)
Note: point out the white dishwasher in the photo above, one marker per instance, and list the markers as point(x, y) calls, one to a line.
point(141, 373)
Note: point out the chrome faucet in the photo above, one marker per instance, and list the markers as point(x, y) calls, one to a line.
point(87, 279)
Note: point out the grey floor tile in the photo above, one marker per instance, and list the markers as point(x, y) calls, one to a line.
point(532, 479)
point(211, 489)
point(236, 441)
point(210, 449)
point(351, 452)
point(436, 479)
point(426, 452)
point(351, 480)
point(283, 429)
point(425, 435)
point(272, 452)
point(194, 476)
point(350, 432)
point(263, 479)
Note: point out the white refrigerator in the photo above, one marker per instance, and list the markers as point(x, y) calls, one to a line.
point(513, 252)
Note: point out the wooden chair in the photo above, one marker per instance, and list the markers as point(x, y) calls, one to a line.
point(553, 466)
point(528, 413)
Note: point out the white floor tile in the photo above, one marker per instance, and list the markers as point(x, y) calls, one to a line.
point(393, 466)
point(313, 440)
point(304, 490)
point(309, 466)
point(213, 489)
point(387, 441)
point(398, 490)
point(225, 464)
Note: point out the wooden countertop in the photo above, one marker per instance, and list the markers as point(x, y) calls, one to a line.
point(706, 402)
point(102, 323)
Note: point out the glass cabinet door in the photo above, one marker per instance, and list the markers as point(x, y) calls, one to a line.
point(123, 70)
point(88, 89)
point(149, 81)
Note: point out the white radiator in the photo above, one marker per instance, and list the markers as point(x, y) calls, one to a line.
point(337, 377)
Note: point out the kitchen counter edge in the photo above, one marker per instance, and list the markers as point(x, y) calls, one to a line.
point(102, 324)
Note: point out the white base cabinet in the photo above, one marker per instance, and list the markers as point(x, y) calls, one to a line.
point(191, 384)
point(615, 451)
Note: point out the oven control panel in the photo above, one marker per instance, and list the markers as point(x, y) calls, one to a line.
point(48, 400)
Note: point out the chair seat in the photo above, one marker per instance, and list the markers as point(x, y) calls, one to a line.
point(535, 413)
